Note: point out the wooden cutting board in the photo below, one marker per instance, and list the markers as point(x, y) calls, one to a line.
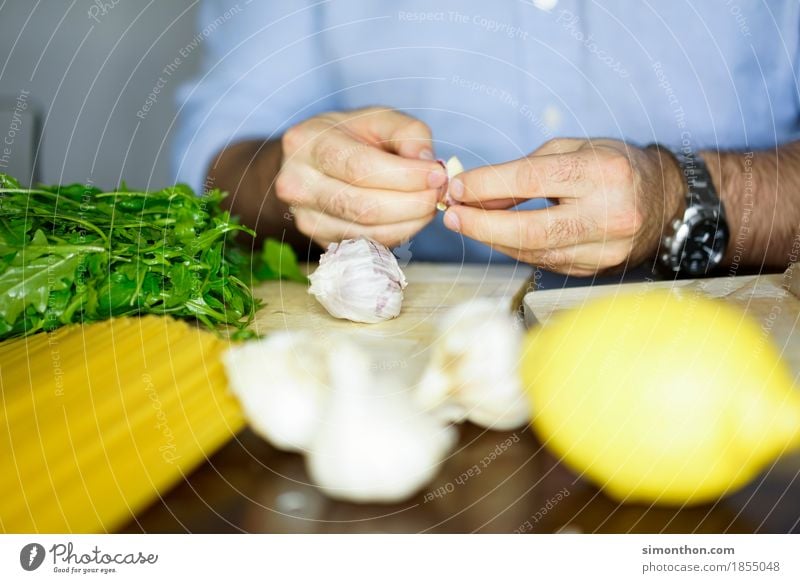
point(432, 289)
point(398, 345)
point(763, 297)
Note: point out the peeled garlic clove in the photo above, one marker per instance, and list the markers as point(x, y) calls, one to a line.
point(373, 444)
point(281, 382)
point(359, 280)
point(472, 373)
point(453, 167)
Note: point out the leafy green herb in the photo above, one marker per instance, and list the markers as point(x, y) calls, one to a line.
point(74, 253)
point(278, 261)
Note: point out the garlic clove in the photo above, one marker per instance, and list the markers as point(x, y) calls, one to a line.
point(373, 444)
point(473, 371)
point(359, 280)
point(453, 168)
point(434, 392)
point(281, 382)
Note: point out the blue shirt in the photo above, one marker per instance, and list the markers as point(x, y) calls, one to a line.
point(496, 80)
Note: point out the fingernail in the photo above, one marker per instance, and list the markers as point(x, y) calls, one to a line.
point(451, 221)
point(436, 179)
point(426, 154)
point(456, 189)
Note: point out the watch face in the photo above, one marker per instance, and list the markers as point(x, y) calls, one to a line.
point(704, 246)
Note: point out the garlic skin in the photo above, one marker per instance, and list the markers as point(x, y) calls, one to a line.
point(373, 444)
point(281, 382)
point(472, 374)
point(359, 280)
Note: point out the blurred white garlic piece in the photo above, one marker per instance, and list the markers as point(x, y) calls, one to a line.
point(373, 444)
point(281, 382)
point(359, 280)
point(473, 370)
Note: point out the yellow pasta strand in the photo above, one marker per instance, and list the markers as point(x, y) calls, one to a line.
point(98, 421)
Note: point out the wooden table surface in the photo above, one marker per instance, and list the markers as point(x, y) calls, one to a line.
point(493, 482)
point(248, 486)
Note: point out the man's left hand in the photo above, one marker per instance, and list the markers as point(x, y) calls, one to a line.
point(613, 200)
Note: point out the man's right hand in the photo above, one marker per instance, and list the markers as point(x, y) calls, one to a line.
point(367, 172)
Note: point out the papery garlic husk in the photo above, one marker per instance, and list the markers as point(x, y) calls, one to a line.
point(282, 385)
point(473, 370)
point(373, 444)
point(359, 280)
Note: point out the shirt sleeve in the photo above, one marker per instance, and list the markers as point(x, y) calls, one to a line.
point(261, 72)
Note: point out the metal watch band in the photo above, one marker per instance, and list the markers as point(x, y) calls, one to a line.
point(700, 191)
point(704, 212)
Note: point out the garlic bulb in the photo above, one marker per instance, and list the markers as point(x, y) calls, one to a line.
point(281, 382)
point(373, 444)
point(359, 280)
point(472, 373)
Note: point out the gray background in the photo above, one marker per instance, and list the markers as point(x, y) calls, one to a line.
point(88, 78)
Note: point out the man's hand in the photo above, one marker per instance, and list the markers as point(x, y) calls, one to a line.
point(366, 172)
point(613, 201)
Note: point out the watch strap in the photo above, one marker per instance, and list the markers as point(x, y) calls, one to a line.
point(700, 190)
point(701, 200)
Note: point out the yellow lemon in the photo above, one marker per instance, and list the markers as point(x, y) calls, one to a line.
point(659, 398)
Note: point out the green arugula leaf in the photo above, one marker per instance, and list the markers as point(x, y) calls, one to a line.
point(279, 262)
point(31, 283)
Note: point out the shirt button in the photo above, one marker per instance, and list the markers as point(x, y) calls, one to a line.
point(546, 5)
point(551, 117)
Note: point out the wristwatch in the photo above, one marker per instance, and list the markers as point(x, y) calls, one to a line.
point(695, 244)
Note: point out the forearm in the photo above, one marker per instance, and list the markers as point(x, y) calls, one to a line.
point(247, 170)
point(761, 194)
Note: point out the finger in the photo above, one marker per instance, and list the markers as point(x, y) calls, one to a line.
point(554, 226)
point(341, 156)
point(559, 146)
point(394, 131)
point(322, 227)
point(548, 264)
point(499, 204)
point(553, 175)
point(555, 260)
point(300, 185)
point(590, 258)
point(368, 206)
